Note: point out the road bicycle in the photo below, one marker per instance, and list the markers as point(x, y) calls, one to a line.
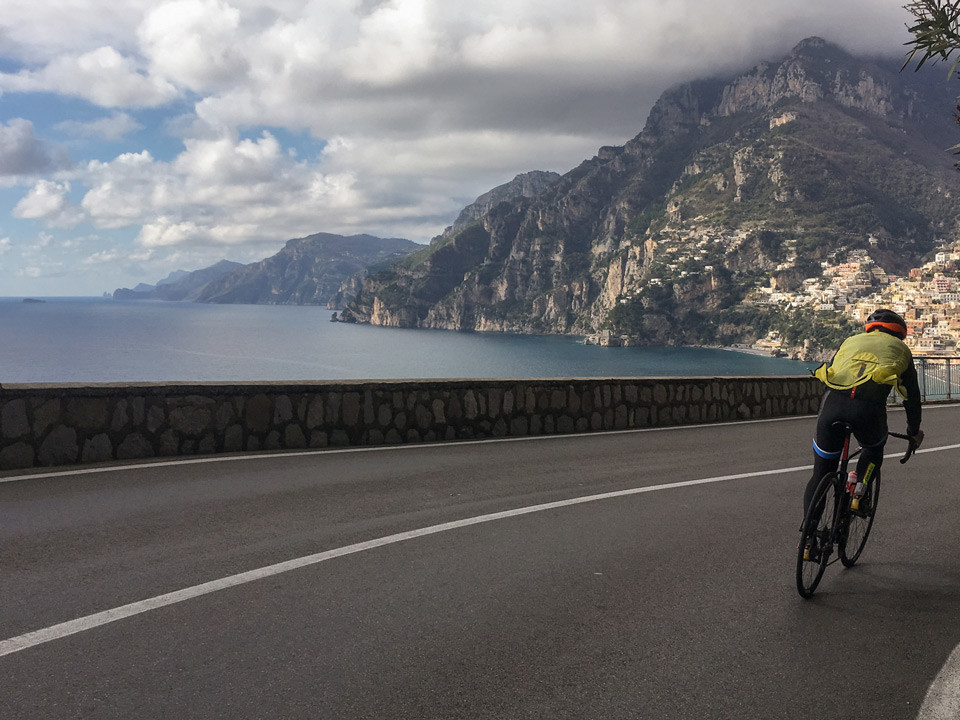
point(839, 517)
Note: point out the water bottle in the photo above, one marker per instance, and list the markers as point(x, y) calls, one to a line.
point(851, 481)
point(857, 492)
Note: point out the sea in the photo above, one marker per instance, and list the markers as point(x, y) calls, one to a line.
point(90, 340)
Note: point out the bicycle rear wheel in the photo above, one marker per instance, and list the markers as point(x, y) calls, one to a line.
point(859, 522)
point(816, 536)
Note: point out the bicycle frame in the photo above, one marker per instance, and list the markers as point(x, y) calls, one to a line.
point(846, 525)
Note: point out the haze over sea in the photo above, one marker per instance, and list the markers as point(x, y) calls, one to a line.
point(104, 340)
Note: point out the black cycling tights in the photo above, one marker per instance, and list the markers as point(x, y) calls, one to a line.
point(869, 421)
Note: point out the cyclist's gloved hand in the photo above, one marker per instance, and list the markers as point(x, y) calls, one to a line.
point(917, 437)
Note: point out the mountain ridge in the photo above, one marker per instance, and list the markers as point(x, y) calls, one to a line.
point(744, 181)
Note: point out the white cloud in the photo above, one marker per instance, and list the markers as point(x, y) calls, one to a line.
point(102, 76)
point(195, 43)
point(104, 257)
point(6, 245)
point(396, 41)
point(113, 127)
point(165, 233)
point(48, 201)
point(23, 153)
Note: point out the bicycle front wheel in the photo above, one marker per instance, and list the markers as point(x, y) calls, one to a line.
point(816, 536)
point(859, 522)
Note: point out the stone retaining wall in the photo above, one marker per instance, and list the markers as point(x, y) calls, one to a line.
point(46, 425)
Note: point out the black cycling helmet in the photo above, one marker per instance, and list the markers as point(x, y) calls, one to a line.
point(888, 321)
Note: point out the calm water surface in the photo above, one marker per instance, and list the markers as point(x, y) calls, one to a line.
point(102, 340)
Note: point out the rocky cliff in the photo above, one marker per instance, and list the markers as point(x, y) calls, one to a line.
point(179, 285)
point(307, 271)
point(731, 184)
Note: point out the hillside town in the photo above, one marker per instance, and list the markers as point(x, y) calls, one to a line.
point(928, 297)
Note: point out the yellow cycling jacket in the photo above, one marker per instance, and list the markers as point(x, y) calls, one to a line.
point(861, 358)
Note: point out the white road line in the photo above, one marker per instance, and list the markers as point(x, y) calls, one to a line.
point(72, 627)
point(942, 701)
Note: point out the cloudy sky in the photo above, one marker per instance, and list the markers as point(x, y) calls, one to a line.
point(139, 136)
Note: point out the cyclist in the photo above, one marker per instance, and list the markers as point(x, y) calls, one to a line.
point(858, 380)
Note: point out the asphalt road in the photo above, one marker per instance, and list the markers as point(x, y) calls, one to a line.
point(665, 603)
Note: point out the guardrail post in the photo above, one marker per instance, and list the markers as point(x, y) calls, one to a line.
point(949, 386)
point(923, 377)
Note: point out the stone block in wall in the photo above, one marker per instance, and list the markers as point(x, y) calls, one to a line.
point(315, 412)
point(282, 410)
point(392, 437)
point(190, 420)
point(272, 441)
point(207, 444)
point(469, 405)
point(319, 439)
point(97, 449)
point(332, 409)
point(87, 413)
point(369, 408)
point(339, 438)
point(155, 419)
point(168, 443)
point(494, 402)
point(519, 426)
point(565, 424)
point(18, 455)
point(138, 408)
point(586, 401)
point(454, 409)
point(659, 394)
point(258, 413)
point(233, 439)
point(293, 437)
point(134, 446)
point(121, 416)
point(60, 447)
point(437, 408)
point(13, 420)
point(351, 409)
point(45, 416)
point(620, 417)
point(573, 401)
point(224, 416)
point(508, 403)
